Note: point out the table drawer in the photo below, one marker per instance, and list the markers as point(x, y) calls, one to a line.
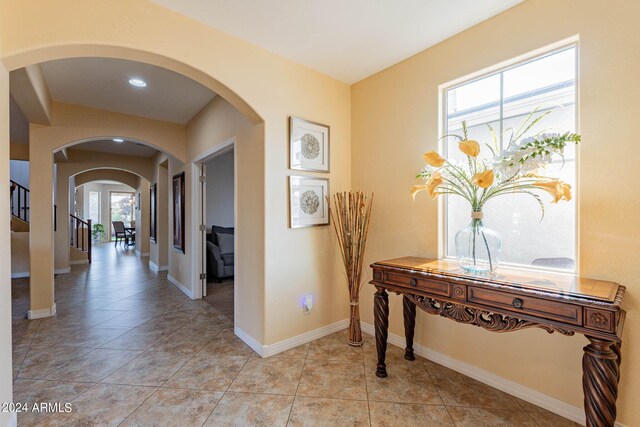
point(538, 307)
point(431, 286)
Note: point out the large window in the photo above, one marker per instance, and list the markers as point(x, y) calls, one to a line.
point(94, 207)
point(501, 102)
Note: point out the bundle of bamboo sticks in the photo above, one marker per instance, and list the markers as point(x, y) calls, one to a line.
point(351, 219)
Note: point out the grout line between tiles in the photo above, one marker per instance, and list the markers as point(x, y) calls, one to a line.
point(225, 392)
point(446, 408)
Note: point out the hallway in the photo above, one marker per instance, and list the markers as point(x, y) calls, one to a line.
point(128, 348)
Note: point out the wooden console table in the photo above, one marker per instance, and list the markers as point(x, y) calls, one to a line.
point(509, 300)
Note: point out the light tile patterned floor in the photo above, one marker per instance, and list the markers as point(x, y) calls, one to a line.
point(127, 348)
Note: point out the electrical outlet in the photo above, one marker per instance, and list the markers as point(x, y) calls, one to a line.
point(180, 268)
point(307, 304)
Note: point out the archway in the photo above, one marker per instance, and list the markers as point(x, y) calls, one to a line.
point(83, 162)
point(92, 192)
point(272, 87)
point(74, 125)
point(266, 89)
point(49, 53)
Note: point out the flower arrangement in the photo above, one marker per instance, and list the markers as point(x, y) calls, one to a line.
point(480, 179)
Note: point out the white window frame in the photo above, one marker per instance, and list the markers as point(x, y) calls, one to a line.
point(572, 42)
point(99, 205)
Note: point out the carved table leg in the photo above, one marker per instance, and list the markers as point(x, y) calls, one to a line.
point(381, 315)
point(617, 349)
point(600, 373)
point(409, 311)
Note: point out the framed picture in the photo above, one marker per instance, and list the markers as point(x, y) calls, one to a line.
point(308, 202)
point(308, 145)
point(178, 212)
point(153, 213)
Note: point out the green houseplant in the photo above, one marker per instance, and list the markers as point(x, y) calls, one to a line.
point(97, 232)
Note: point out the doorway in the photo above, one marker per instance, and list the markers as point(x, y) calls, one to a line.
point(121, 208)
point(217, 200)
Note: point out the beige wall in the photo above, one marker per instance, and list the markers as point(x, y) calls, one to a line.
point(263, 86)
point(142, 217)
point(124, 177)
point(20, 253)
point(74, 123)
point(6, 376)
point(214, 125)
point(159, 250)
point(395, 120)
point(19, 151)
point(180, 262)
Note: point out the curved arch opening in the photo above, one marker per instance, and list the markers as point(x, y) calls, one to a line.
point(236, 119)
point(126, 140)
point(49, 53)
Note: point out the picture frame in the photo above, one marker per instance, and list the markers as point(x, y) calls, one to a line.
point(153, 213)
point(308, 145)
point(178, 212)
point(308, 206)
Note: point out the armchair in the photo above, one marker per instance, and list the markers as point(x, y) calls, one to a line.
point(220, 255)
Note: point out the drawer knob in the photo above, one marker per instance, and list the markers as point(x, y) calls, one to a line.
point(413, 282)
point(517, 303)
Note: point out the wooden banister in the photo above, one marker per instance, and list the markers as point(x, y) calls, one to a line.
point(77, 226)
point(19, 201)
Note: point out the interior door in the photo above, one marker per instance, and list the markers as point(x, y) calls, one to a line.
point(203, 227)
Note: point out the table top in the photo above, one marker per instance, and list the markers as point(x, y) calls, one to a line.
point(540, 280)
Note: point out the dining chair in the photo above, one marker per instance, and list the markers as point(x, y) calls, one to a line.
point(118, 228)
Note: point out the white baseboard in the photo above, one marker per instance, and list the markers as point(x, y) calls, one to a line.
point(63, 270)
point(289, 343)
point(527, 394)
point(20, 275)
point(249, 340)
point(41, 313)
point(141, 254)
point(154, 267)
point(180, 286)
point(79, 261)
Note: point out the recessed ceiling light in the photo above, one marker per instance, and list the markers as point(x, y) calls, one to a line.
point(134, 81)
point(118, 140)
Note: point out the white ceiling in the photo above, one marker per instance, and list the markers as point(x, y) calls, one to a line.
point(346, 39)
point(103, 83)
point(127, 148)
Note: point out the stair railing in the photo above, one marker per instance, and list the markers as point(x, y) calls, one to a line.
point(19, 201)
point(78, 234)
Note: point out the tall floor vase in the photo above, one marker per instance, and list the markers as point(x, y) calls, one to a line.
point(355, 331)
point(350, 218)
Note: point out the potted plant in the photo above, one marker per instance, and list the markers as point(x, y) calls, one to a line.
point(97, 232)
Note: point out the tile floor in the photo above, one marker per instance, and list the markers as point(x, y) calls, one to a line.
point(127, 348)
